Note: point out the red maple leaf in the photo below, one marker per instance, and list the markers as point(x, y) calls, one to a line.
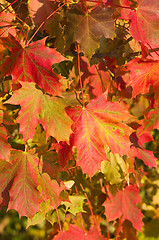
point(142, 75)
point(123, 206)
point(25, 173)
point(32, 64)
point(76, 233)
point(145, 22)
point(99, 125)
point(26, 176)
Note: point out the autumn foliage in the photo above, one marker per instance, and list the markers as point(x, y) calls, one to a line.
point(79, 115)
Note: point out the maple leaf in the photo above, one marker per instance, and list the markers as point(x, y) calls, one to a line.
point(4, 145)
point(76, 233)
point(30, 100)
point(99, 125)
point(110, 169)
point(145, 22)
point(111, 172)
point(38, 219)
point(123, 206)
point(32, 64)
point(142, 75)
point(36, 108)
point(76, 204)
point(25, 172)
point(88, 28)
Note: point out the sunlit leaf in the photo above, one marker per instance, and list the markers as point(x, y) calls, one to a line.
point(100, 124)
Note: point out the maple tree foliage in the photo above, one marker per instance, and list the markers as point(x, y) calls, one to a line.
point(79, 114)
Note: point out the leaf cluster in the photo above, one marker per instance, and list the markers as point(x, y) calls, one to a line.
point(79, 116)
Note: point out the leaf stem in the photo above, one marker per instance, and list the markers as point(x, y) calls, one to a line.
point(80, 75)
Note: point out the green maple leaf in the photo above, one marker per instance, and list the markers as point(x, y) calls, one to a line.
point(36, 108)
point(76, 204)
